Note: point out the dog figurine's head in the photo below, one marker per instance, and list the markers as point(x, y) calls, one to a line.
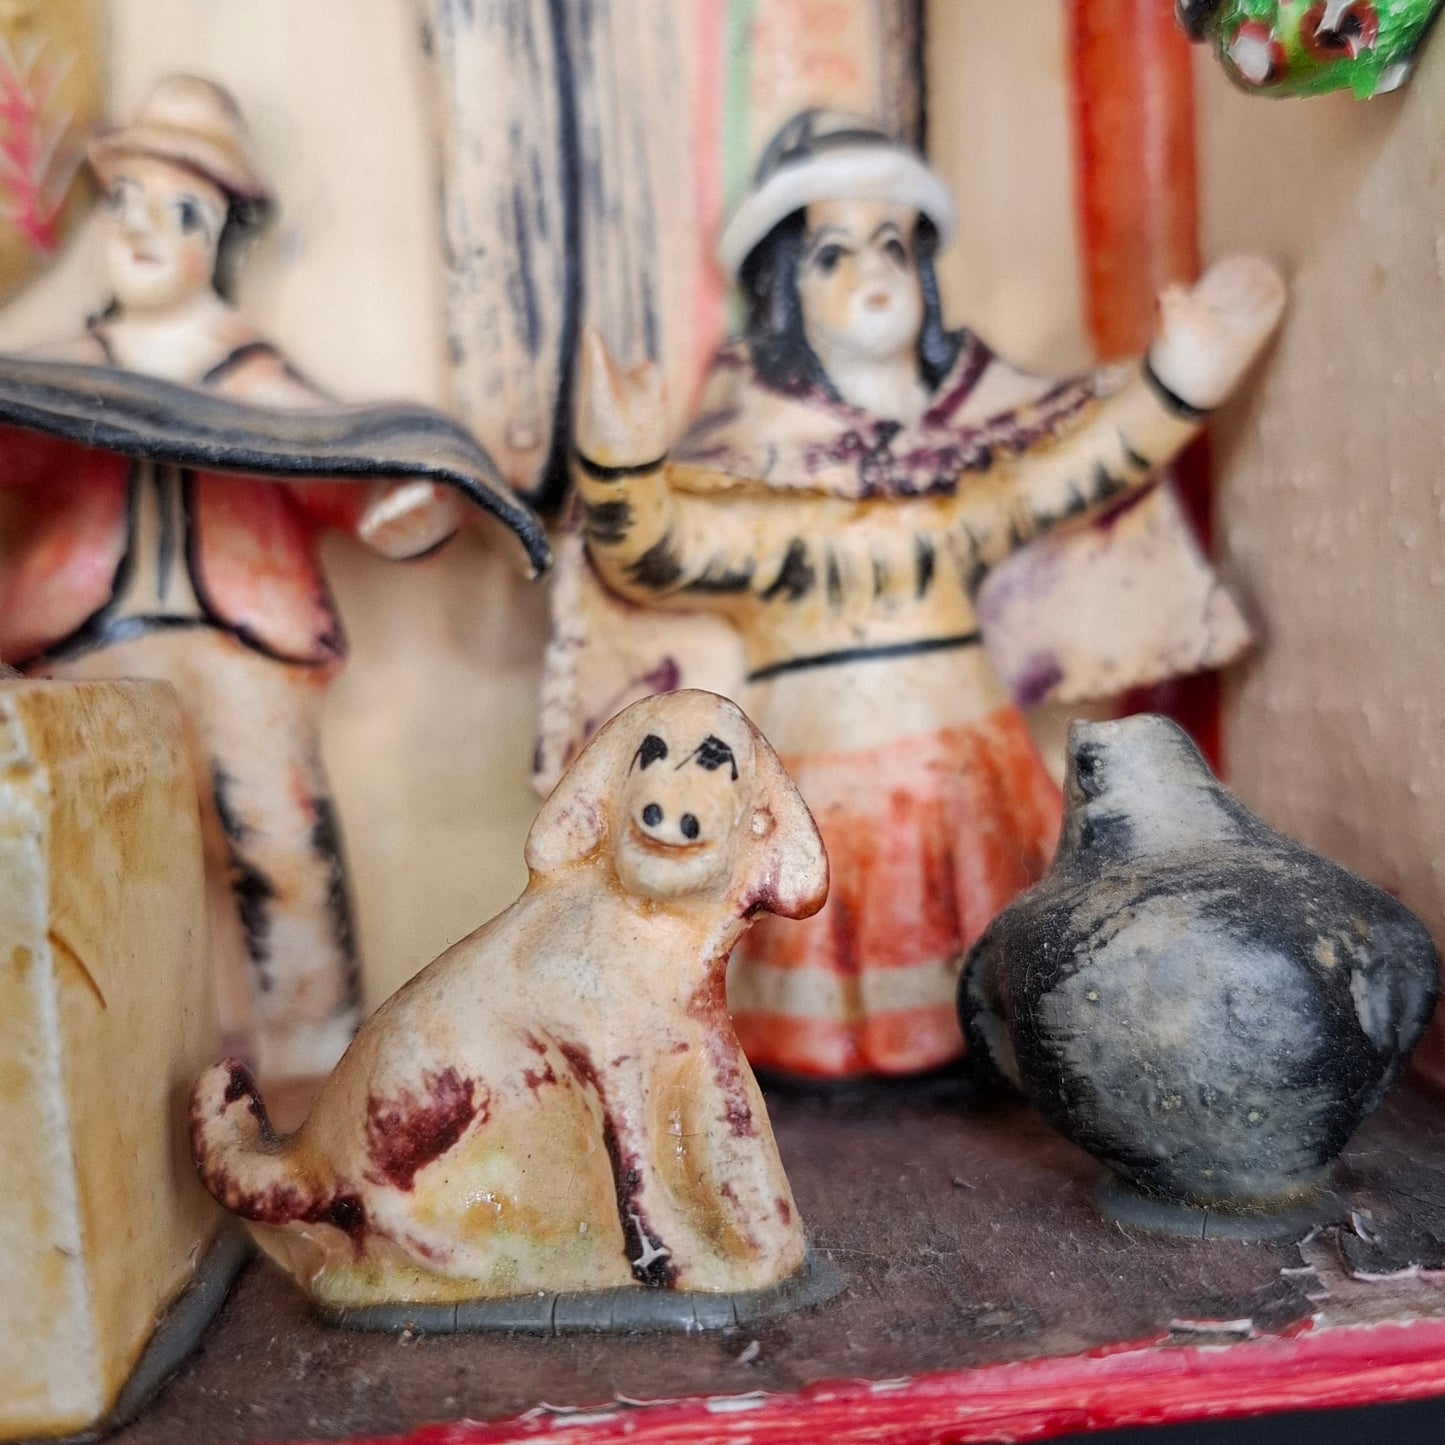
point(686, 798)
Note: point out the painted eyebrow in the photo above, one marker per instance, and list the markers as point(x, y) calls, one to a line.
point(887, 226)
point(207, 209)
point(817, 239)
point(711, 753)
point(203, 202)
point(651, 750)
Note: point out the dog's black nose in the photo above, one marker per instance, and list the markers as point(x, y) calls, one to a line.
point(689, 827)
point(652, 815)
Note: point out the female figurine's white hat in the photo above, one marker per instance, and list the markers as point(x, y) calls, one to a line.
point(826, 155)
point(194, 123)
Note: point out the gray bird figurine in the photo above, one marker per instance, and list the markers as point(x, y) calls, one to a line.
point(1208, 1007)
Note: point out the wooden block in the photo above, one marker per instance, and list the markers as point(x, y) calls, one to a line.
point(107, 1013)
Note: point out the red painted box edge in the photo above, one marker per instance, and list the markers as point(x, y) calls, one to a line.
point(1139, 1384)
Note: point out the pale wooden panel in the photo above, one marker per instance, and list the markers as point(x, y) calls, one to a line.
point(507, 194)
point(641, 178)
point(999, 134)
point(1330, 478)
point(429, 738)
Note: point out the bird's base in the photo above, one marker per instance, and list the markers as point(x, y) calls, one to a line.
point(1257, 1222)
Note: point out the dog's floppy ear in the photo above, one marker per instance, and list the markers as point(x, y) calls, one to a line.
point(572, 822)
point(785, 863)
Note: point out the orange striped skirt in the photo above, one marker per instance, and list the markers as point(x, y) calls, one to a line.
point(927, 839)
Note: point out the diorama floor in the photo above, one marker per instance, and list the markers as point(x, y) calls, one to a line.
point(968, 1236)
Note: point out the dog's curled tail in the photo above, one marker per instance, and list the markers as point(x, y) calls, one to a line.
point(239, 1157)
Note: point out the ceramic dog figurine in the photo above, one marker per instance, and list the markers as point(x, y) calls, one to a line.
point(559, 1102)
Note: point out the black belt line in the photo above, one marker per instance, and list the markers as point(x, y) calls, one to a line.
point(866, 654)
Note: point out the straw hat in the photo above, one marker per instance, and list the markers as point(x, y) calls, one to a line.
point(194, 123)
point(829, 155)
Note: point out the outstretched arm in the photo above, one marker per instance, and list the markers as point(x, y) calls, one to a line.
point(398, 519)
point(649, 541)
point(1208, 338)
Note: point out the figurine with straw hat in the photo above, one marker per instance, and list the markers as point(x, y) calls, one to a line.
point(186, 548)
point(192, 126)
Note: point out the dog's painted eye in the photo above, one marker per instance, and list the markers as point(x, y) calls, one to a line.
point(689, 827)
point(653, 750)
point(712, 753)
point(652, 815)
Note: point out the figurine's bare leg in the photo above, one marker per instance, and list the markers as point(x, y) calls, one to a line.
point(254, 724)
point(235, 990)
point(288, 880)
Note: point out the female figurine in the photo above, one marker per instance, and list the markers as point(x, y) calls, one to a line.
point(125, 565)
point(856, 472)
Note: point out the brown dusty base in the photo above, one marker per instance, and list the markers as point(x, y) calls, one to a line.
point(968, 1235)
point(604, 1311)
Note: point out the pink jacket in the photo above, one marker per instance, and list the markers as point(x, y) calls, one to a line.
point(252, 550)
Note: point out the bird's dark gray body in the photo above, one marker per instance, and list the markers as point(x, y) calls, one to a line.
point(1206, 1006)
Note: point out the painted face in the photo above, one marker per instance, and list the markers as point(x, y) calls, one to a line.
point(858, 281)
point(681, 808)
point(165, 226)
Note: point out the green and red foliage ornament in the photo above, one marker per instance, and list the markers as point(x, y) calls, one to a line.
point(1305, 47)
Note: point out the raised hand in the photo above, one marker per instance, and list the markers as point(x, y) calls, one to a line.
point(620, 416)
point(1210, 334)
point(408, 519)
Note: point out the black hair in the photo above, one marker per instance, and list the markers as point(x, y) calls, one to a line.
point(245, 220)
point(777, 340)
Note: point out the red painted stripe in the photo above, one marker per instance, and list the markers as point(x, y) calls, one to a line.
point(902, 1041)
point(1137, 191)
point(1135, 170)
point(1138, 1384)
